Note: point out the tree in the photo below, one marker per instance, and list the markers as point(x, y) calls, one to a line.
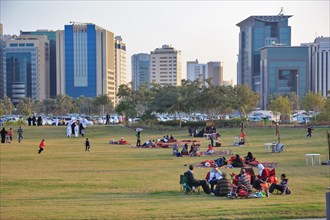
point(48, 106)
point(313, 102)
point(244, 99)
point(103, 104)
point(25, 106)
point(281, 104)
point(127, 104)
point(325, 113)
point(8, 105)
point(63, 104)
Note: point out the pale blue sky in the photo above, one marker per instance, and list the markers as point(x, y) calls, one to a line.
point(203, 30)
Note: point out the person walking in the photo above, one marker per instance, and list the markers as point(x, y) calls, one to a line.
point(19, 134)
point(42, 145)
point(309, 131)
point(3, 133)
point(87, 145)
point(138, 139)
point(10, 134)
point(76, 130)
point(68, 131)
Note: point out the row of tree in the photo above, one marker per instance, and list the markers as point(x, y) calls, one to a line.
point(61, 105)
point(196, 96)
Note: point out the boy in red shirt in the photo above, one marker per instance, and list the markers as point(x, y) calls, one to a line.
point(41, 146)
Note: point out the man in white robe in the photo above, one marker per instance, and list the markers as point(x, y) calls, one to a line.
point(76, 130)
point(68, 131)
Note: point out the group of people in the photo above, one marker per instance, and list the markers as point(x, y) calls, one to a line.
point(33, 120)
point(217, 183)
point(7, 136)
point(75, 128)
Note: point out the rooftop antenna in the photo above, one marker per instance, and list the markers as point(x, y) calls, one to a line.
point(281, 12)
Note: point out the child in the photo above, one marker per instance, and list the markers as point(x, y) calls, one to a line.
point(282, 187)
point(87, 145)
point(41, 146)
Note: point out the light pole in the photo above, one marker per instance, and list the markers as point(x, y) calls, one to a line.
point(297, 96)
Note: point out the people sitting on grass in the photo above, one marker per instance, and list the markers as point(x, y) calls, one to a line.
point(213, 176)
point(121, 141)
point(194, 150)
point(184, 150)
point(237, 162)
point(149, 143)
point(242, 186)
point(223, 187)
point(217, 143)
point(250, 159)
point(282, 187)
point(192, 182)
point(175, 149)
point(262, 176)
point(210, 150)
point(171, 138)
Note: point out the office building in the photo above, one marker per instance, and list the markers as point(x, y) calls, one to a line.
point(215, 73)
point(51, 35)
point(85, 61)
point(319, 59)
point(166, 66)
point(196, 70)
point(283, 70)
point(26, 69)
point(257, 32)
point(212, 71)
point(140, 70)
point(1, 63)
point(120, 62)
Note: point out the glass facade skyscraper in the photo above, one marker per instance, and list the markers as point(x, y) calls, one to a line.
point(283, 70)
point(140, 70)
point(257, 32)
point(26, 69)
point(51, 35)
point(85, 61)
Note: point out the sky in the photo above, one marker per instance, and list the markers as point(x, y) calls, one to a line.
point(203, 30)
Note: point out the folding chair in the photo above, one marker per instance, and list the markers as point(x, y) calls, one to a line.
point(188, 190)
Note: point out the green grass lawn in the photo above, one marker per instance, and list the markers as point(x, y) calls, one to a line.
point(120, 182)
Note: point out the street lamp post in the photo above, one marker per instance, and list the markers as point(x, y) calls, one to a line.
point(297, 96)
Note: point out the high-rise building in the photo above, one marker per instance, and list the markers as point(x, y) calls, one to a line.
point(283, 70)
point(1, 63)
point(319, 59)
point(166, 66)
point(140, 70)
point(257, 32)
point(215, 73)
point(120, 63)
point(51, 35)
point(85, 61)
point(211, 71)
point(196, 70)
point(26, 67)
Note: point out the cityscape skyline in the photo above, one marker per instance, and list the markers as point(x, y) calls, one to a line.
point(205, 31)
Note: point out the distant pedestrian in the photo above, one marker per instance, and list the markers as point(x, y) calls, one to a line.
point(309, 131)
point(76, 130)
point(138, 139)
point(19, 134)
point(10, 134)
point(87, 145)
point(3, 133)
point(68, 131)
point(42, 145)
